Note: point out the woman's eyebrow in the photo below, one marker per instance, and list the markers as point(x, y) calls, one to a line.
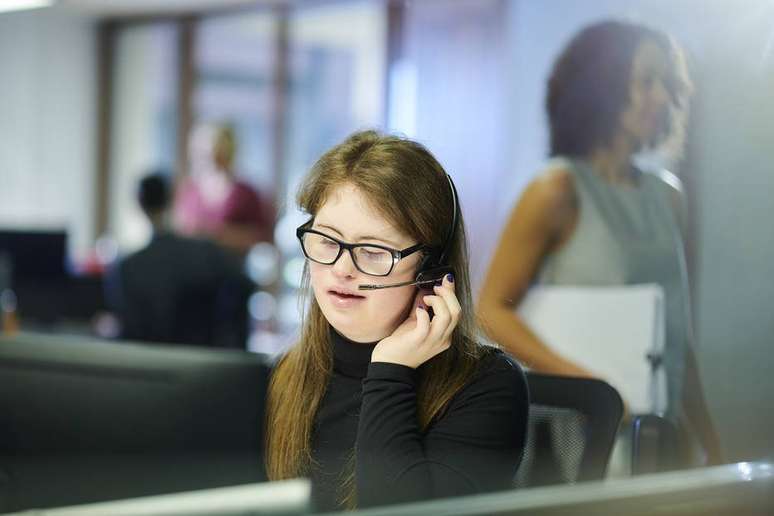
point(390, 243)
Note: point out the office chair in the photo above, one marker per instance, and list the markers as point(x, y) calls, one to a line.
point(570, 431)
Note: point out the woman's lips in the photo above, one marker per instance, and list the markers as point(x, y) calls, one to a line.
point(344, 299)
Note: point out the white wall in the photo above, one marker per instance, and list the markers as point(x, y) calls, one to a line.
point(731, 158)
point(47, 120)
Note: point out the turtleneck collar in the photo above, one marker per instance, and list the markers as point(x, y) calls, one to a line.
point(350, 358)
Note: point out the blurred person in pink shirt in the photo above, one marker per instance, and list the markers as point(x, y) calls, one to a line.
point(212, 202)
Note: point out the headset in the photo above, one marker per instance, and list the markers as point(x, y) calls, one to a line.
point(433, 266)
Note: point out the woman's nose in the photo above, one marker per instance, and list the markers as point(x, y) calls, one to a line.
point(344, 266)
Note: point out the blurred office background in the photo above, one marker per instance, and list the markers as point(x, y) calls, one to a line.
point(95, 93)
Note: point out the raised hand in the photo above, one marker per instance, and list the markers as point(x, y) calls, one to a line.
point(419, 338)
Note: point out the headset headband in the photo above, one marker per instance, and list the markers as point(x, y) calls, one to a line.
point(452, 229)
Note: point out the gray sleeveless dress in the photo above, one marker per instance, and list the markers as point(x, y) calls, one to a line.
point(625, 235)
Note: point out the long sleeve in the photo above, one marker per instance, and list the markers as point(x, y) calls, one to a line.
point(474, 447)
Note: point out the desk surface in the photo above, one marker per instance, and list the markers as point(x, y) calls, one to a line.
point(745, 488)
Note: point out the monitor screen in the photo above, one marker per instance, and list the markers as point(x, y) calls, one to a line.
point(35, 254)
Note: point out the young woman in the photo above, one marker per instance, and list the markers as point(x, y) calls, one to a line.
point(387, 397)
point(593, 218)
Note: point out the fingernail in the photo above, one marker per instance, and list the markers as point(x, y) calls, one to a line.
point(450, 278)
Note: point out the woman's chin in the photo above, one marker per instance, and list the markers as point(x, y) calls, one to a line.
point(360, 330)
point(362, 325)
point(356, 333)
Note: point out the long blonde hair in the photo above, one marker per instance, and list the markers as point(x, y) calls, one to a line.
point(409, 187)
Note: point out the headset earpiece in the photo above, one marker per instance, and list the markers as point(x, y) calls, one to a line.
point(431, 275)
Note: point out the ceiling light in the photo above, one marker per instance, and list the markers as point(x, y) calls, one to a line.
point(20, 5)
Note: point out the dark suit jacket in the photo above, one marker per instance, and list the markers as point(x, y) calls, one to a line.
point(181, 290)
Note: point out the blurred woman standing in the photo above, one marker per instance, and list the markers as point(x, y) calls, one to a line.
point(592, 217)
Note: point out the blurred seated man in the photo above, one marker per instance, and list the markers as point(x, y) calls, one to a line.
point(178, 289)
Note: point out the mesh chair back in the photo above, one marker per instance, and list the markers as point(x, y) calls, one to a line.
point(571, 430)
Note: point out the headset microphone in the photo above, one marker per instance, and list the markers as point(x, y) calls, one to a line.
point(427, 277)
point(433, 267)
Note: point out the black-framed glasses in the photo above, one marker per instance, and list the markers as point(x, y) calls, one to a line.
point(371, 259)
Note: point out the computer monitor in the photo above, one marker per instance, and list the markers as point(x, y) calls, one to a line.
point(742, 489)
point(86, 420)
point(35, 255)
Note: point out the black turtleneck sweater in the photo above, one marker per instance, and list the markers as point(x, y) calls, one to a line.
point(369, 410)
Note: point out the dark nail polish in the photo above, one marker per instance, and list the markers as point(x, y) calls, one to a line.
point(450, 277)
